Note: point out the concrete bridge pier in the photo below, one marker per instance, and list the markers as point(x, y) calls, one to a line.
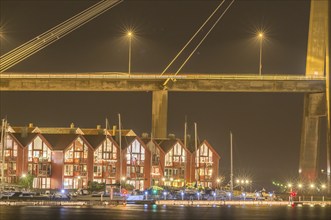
point(159, 113)
point(314, 110)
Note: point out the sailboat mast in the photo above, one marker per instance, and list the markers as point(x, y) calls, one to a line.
point(196, 151)
point(231, 152)
point(185, 144)
point(120, 143)
point(3, 136)
point(153, 152)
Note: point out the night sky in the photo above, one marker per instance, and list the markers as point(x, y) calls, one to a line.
point(266, 126)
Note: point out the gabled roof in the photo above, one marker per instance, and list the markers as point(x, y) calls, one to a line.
point(147, 142)
point(60, 141)
point(10, 129)
point(95, 140)
point(126, 141)
point(23, 138)
point(210, 147)
point(190, 145)
point(167, 145)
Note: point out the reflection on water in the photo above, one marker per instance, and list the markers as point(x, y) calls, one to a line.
point(164, 212)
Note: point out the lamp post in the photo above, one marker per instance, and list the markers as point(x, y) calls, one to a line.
point(261, 40)
point(130, 39)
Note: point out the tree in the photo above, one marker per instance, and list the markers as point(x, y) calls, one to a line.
point(95, 186)
point(26, 181)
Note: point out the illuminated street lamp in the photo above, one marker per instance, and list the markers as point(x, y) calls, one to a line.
point(244, 182)
point(260, 36)
point(130, 34)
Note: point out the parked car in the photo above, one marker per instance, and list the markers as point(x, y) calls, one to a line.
point(82, 192)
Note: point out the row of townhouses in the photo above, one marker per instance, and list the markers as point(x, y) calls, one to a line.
point(68, 158)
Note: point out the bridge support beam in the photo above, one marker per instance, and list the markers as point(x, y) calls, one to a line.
point(159, 113)
point(314, 109)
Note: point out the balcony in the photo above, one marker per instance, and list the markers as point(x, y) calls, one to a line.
point(80, 160)
point(11, 172)
point(155, 163)
point(175, 176)
point(205, 164)
point(112, 175)
point(44, 160)
point(44, 173)
point(136, 175)
point(10, 159)
point(80, 173)
point(35, 159)
point(178, 164)
point(97, 175)
point(205, 178)
point(140, 175)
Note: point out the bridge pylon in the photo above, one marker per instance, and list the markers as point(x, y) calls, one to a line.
point(316, 105)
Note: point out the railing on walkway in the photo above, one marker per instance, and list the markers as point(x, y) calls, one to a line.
point(153, 76)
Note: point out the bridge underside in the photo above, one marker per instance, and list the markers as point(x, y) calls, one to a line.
point(147, 82)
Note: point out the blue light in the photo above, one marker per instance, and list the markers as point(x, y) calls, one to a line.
point(62, 191)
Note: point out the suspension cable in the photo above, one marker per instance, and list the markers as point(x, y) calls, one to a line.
point(180, 68)
point(192, 37)
point(31, 47)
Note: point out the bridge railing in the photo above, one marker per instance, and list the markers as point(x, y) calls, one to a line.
point(152, 76)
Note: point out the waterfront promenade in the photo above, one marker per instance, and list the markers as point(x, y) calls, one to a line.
point(164, 202)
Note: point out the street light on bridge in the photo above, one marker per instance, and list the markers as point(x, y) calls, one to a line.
point(260, 36)
point(130, 35)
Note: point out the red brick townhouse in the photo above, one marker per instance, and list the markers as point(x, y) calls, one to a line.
point(206, 165)
point(68, 158)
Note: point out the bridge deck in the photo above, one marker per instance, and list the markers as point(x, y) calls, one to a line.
point(153, 82)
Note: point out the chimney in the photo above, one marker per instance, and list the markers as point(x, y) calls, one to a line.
point(30, 125)
point(98, 126)
point(114, 130)
point(144, 135)
point(172, 136)
point(72, 125)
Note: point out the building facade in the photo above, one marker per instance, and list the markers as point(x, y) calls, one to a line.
point(70, 158)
